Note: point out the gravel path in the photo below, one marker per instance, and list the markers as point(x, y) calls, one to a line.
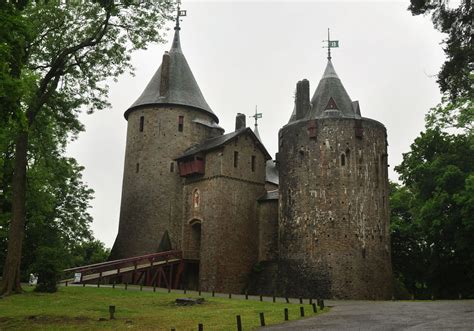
point(389, 315)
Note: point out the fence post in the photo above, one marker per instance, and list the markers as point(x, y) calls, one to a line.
point(286, 314)
point(239, 323)
point(262, 319)
point(315, 310)
point(302, 311)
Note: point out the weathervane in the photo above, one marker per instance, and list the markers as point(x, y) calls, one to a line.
point(256, 116)
point(179, 13)
point(331, 44)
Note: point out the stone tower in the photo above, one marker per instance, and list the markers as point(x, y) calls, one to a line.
point(170, 115)
point(333, 206)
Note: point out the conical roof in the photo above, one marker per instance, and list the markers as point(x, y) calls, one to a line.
point(330, 98)
point(257, 134)
point(180, 88)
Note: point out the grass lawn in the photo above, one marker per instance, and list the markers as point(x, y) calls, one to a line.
point(73, 308)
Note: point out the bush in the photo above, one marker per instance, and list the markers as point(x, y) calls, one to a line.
point(48, 267)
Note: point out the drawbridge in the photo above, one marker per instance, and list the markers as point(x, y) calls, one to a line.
point(164, 269)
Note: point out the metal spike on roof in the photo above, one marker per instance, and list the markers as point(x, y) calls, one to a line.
point(173, 85)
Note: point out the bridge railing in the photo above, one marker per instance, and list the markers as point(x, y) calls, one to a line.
point(100, 268)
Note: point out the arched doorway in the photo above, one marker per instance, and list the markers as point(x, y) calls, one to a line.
point(195, 238)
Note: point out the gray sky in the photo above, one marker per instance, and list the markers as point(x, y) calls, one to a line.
point(245, 53)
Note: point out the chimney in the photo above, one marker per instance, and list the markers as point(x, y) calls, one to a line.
point(302, 98)
point(240, 122)
point(165, 74)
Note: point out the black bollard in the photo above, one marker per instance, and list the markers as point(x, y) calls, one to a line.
point(246, 295)
point(126, 286)
point(66, 283)
point(274, 299)
point(113, 285)
point(287, 300)
point(315, 310)
point(239, 323)
point(262, 319)
point(301, 301)
point(261, 298)
point(286, 314)
point(230, 295)
point(154, 288)
point(302, 311)
point(112, 312)
point(173, 329)
point(83, 284)
point(200, 327)
point(185, 290)
point(213, 293)
point(321, 304)
point(310, 301)
point(141, 287)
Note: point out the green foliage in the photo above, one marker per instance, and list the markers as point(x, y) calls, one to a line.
point(432, 223)
point(48, 267)
point(55, 60)
point(454, 78)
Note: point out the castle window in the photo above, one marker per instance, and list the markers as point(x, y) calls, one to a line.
point(137, 168)
point(180, 123)
point(253, 162)
point(343, 160)
point(236, 159)
point(172, 167)
point(142, 123)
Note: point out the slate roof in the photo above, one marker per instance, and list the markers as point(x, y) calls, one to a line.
point(271, 173)
point(330, 86)
point(270, 195)
point(183, 88)
point(216, 142)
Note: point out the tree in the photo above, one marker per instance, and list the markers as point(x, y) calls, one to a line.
point(73, 47)
point(438, 173)
point(454, 78)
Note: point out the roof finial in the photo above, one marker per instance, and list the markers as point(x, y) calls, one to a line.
point(179, 13)
point(331, 44)
point(256, 116)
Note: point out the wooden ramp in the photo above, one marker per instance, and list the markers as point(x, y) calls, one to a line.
point(162, 269)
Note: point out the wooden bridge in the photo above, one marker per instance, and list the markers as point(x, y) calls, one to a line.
point(162, 269)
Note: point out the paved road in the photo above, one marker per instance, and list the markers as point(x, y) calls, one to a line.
point(388, 315)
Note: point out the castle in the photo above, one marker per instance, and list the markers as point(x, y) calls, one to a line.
point(314, 222)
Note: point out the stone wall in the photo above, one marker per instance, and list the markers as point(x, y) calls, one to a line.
point(267, 230)
point(228, 215)
point(334, 221)
point(152, 188)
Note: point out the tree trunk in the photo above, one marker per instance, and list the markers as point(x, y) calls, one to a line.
point(11, 269)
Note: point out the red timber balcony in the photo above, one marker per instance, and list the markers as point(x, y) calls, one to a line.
point(191, 166)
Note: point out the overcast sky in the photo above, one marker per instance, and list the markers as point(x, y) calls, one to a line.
point(245, 54)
